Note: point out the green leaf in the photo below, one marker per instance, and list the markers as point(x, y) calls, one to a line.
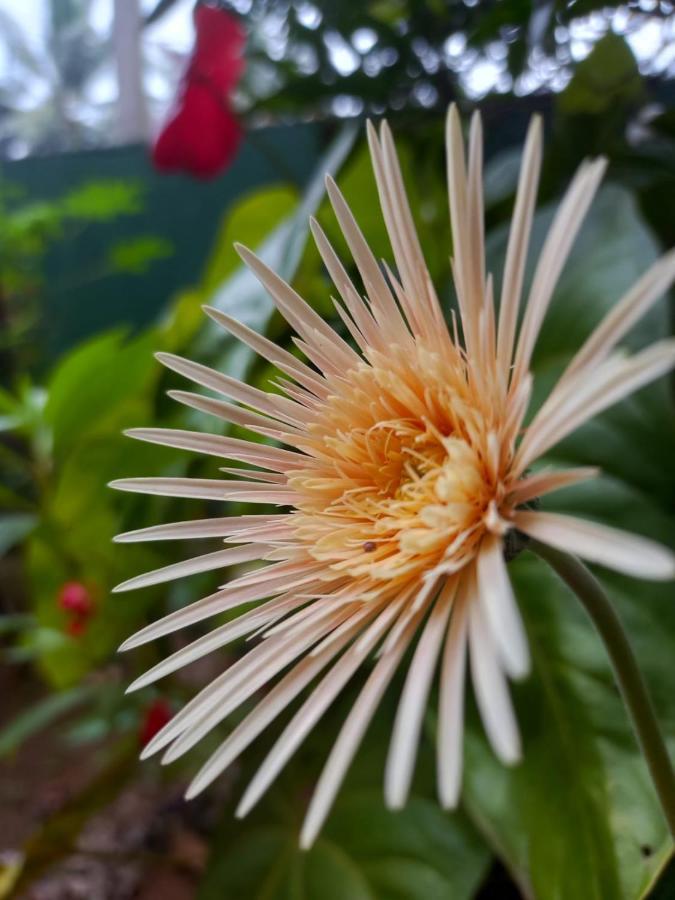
point(608, 77)
point(136, 255)
point(14, 528)
point(41, 714)
point(579, 817)
point(365, 852)
point(93, 386)
point(101, 201)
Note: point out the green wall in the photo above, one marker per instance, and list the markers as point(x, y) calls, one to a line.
point(184, 211)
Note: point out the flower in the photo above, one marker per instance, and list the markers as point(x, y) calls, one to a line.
point(203, 134)
point(401, 466)
point(74, 598)
point(155, 717)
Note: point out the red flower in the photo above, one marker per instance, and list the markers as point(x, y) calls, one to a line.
point(155, 718)
point(74, 598)
point(202, 135)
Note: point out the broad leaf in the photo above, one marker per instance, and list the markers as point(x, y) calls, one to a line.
point(578, 817)
point(364, 853)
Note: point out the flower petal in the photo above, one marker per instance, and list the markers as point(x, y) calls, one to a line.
point(490, 686)
point(500, 608)
point(628, 553)
point(408, 722)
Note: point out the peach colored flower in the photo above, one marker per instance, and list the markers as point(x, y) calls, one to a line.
point(400, 465)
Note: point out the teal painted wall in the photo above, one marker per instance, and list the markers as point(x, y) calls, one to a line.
point(182, 210)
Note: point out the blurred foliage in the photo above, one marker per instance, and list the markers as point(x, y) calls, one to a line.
point(29, 229)
point(388, 56)
point(578, 818)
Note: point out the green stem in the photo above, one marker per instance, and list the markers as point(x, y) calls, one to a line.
point(629, 678)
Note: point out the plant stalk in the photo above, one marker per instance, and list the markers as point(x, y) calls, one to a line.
point(627, 673)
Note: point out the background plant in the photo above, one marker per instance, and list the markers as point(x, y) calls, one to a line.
point(578, 818)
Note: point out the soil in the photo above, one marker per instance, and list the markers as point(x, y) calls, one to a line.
point(143, 845)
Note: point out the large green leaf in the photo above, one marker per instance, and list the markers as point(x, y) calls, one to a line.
point(364, 853)
point(94, 385)
point(578, 817)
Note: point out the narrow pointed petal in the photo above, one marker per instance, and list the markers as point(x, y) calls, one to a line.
point(408, 723)
point(469, 302)
point(586, 398)
point(621, 318)
point(274, 655)
point(272, 404)
point(192, 488)
point(234, 414)
point(230, 597)
point(206, 563)
point(562, 234)
point(352, 732)
point(357, 308)
point(270, 351)
point(314, 707)
point(539, 484)
point(213, 640)
point(298, 313)
point(519, 240)
point(500, 608)
point(265, 712)
point(619, 550)
point(451, 704)
point(273, 458)
point(491, 689)
point(384, 306)
point(237, 684)
point(172, 531)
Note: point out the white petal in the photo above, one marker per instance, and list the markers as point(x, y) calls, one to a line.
point(619, 550)
point(621, 318)
point(411, 708)
point(230, 597)
point(451, 704)
point(257, 668)
point(519, 239)
point(558, 243)
point(266, 711)
point(500, 607)
point(584, 398)
point(206, 563)
point(273, 404)
point(352, 732)
point(313, 708)
point(491, 689)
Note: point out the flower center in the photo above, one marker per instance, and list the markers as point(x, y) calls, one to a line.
point(389, 496)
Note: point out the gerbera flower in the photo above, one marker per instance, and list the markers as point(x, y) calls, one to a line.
point(405, 472)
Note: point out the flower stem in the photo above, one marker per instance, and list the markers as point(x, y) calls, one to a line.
point(629, 678)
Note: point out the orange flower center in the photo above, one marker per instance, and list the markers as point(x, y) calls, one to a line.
point(403, 473)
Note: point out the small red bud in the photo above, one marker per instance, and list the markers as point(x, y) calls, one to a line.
point(76, 599)
point(154, 719)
